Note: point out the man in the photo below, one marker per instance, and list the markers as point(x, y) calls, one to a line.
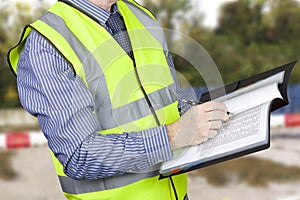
point(107, 107)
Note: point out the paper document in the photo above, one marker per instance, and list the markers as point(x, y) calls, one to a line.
point(246, 131)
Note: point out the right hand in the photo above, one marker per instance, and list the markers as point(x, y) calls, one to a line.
point(197, 125)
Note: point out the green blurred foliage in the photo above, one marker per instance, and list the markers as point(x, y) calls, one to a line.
point(14, 16)
point(252, 36)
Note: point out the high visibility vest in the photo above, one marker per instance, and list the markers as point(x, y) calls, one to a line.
point(130, 95)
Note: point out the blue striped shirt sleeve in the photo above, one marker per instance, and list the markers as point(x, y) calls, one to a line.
point(49, 89)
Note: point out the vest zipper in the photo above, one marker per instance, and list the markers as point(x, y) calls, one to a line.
point(144, 92)
point(139, 80)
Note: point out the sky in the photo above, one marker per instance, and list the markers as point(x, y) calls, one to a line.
point(210, 9)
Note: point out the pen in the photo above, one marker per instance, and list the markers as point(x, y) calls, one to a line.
point(230, 114)
point(194, 103)
point(191, 102)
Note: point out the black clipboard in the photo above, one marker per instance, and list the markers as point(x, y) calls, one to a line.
point(219, 92)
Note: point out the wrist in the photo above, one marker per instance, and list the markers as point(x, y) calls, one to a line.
point(172, 135)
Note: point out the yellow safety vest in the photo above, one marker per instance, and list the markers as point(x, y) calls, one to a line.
point(130, 94)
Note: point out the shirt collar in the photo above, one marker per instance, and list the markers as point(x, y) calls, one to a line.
point(100, 14)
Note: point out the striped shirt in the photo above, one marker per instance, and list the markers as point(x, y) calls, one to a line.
point(64, 107)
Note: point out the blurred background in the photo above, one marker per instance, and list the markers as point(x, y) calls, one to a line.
point(243, 37)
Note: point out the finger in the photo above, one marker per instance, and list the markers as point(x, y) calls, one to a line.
point(199, 140)
point(212, 134)
point(204, 140)
point(214, 105)
point(215, 125)
point(217, 115)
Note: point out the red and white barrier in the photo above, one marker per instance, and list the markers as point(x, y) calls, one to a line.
point(287, 120)
point(16, 140)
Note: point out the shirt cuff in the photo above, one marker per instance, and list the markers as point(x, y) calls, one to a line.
point(157, 145)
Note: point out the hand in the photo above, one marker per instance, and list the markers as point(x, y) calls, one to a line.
point(197, 125)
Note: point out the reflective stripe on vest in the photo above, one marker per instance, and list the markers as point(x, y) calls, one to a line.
point(117, 91)
point(123, 187)
point(72, 186)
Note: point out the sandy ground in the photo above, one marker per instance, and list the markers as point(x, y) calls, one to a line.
point(37, 179)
